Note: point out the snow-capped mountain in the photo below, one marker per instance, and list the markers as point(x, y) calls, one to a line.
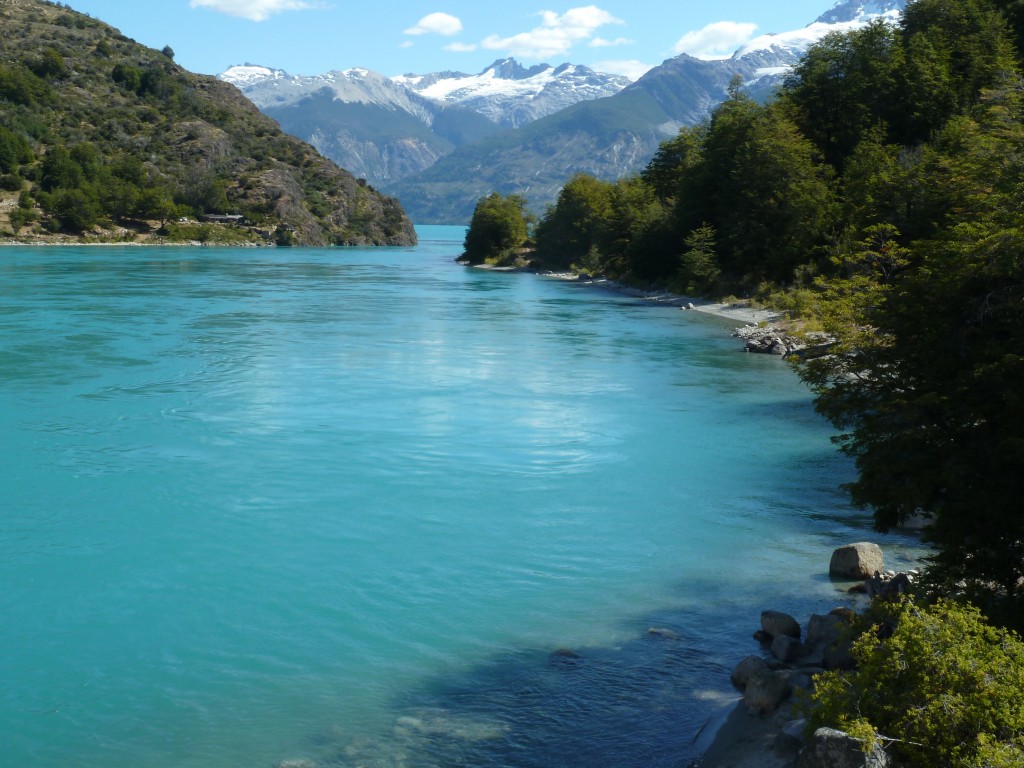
point(511, 95)
point(384, 128)
point(268, 88)
point(367, 123)
point(775, 54)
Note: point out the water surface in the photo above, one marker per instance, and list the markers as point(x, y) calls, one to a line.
point(367, 507)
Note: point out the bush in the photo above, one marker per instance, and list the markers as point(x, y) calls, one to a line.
point(946, 687)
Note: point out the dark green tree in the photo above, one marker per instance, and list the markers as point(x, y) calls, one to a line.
point(498, 228)
point(924, 379)
point(576, 223)
point(762, 188)
point(14, 150)
point(844, 85)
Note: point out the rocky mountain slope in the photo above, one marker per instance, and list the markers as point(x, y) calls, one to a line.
point(378, 129)
point(615, 136)
point(103, 137)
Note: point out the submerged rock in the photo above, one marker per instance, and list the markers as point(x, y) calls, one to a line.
point(663, 633)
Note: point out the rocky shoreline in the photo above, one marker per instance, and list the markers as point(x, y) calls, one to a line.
point(764, 729)
point(764, 331)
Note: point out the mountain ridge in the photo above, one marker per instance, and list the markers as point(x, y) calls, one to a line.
point(615, 136)
point(101, 136)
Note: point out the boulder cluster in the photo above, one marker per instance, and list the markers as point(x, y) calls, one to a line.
point(773, 340)
point(792, 655)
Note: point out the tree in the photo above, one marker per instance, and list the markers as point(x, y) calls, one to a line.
point(698, 266)
point(75, 210)
point(673, 159)
point(14, 150)
point(497, 229)
point(575, 225)
point(50, 65)
point(761, 186)
point(844, 85)
point(925, 376)
point(60, 170)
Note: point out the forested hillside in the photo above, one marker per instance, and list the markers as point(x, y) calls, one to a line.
point(879, 197)
point(104, 138)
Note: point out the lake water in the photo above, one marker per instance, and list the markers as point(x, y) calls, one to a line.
point(365, 507)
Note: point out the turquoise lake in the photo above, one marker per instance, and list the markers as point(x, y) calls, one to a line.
point(365, 507)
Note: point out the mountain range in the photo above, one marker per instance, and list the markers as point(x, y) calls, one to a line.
point(385, 129)
point(441, 141)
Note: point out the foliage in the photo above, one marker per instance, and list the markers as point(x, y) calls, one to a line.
point(498, 229)
point(572, 228)
point(945, 688)
point(925, 375)
point(698, 266)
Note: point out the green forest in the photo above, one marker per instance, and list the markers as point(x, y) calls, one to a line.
point(878, 198)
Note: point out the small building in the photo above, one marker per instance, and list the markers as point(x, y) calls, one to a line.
point(223, 218)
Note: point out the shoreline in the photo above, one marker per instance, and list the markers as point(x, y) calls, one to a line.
point(739, 311)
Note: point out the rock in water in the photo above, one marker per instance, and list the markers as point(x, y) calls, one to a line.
point(775, 623)
point(856, 561)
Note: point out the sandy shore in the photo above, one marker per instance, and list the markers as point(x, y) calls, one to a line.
point(739, 311)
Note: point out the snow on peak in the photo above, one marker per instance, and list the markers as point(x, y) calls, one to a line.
point(242, 75)
point(862, 11)
point(510, 94)
point(844, 16)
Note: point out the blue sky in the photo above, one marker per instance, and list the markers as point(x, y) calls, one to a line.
point(394, 37)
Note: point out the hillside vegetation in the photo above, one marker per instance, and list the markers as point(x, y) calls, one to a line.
point(104, 139)
point(878, 198)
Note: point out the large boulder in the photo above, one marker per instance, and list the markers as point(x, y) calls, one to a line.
point(829, 748)
point(786, 649)
point(775, 623)
point(766, 690)
point(856, 561)
point(745, 669)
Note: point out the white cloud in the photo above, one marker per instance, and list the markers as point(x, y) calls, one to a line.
point(254, 10)
point(436, 24)
point(556, 33)
point(716, 41)
point(460, 47)
point(600, 42)
point(631, 68)
point(407, 44)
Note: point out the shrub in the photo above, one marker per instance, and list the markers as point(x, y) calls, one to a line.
point(946, 687)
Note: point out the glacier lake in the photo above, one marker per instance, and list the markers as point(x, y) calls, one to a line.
point(366, 507)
